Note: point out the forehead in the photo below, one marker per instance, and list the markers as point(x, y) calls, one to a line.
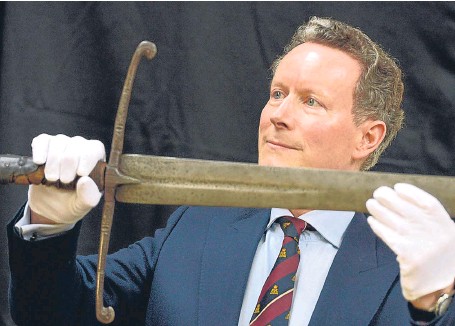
point(313, 56)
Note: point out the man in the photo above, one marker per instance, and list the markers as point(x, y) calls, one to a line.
point(334, 103)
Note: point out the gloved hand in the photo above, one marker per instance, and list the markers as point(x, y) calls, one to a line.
point(418, 229)
point(65, 158)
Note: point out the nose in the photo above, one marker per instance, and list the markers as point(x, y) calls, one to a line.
point(281, 117)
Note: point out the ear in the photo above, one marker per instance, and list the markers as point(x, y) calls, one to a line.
point(371, 134)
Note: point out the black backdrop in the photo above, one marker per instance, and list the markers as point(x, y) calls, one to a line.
point(63, 64)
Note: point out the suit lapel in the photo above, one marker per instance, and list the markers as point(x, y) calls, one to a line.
point(226, 263)
point(362, 272)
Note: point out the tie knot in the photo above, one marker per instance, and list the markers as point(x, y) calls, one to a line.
point(291, 226)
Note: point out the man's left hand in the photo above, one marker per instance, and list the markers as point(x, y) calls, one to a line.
point(415, 225)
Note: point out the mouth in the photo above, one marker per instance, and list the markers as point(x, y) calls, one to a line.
point(278, 145)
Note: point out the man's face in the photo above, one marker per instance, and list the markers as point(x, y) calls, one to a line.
point(308, 119)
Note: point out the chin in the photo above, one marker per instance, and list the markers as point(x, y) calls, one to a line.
point(275, 161)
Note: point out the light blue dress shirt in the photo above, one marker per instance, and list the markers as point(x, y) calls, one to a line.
point(317, 251)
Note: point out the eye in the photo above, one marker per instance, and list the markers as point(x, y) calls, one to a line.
point(276, 95)
point(312, 102)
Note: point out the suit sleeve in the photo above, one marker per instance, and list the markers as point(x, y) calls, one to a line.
point(50, 285)
point(447, 319)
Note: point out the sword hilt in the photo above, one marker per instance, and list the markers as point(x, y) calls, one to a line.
point(21, 170)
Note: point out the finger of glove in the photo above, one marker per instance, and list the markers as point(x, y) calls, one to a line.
point(419, 198)
point(387, 197)
point(40, 145)
point(57, 145)
point(386, 216)
point(93, 152)
point(69, 159)
point(87, 195)
point(386, 234)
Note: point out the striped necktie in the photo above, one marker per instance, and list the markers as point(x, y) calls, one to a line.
point(274, 303)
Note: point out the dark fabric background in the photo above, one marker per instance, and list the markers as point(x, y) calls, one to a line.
point(63, 64)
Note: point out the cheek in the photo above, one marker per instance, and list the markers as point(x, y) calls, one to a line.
point(313, 132)
point(322, 136)
point(264, 121)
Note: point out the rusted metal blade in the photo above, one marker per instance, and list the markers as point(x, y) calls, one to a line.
point(174, 181)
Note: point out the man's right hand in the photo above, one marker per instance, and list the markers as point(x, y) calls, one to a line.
point(65, 159)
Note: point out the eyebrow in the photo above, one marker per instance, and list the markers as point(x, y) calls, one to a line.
point(277, 84)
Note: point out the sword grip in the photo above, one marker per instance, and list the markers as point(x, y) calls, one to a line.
point(21, 170)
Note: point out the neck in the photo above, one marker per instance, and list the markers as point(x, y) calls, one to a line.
point(298, 212)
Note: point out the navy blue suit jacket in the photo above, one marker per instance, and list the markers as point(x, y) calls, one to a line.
point(194, 272)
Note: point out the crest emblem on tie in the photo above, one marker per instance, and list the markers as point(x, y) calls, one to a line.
point(283, 253)
point(274, 289)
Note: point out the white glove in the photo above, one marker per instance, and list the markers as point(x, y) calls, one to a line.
point(418, 229)
point(65, 158)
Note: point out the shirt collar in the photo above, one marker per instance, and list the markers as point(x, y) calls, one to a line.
point(330, 224)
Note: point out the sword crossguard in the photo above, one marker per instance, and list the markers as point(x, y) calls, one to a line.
point(114, 177)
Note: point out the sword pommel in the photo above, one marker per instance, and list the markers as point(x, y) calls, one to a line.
point(20, 170)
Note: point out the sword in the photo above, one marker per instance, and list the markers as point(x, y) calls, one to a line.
point(148, 179)
point(145, 179)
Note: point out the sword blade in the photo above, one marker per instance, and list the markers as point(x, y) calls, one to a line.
point(175, 181)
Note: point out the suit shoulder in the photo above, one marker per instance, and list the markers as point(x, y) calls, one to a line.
point(203, 214)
